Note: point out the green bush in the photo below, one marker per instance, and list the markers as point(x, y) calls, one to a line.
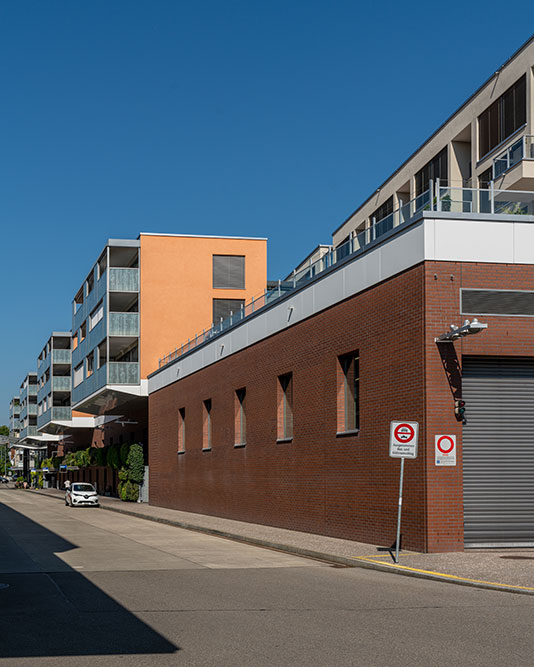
point(125, 449)
point(101, 456)
point(129, 491)
point(135, 462)
point(123, 474)
point(70, 459)
point(114, 457)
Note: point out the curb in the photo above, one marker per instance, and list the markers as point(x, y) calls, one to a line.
point(354, 561)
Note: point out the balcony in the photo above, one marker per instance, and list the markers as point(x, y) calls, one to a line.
point(123, 324)
point(123, 372)
point(522, 149)
point(123, 280)
point(61, 356)
point(32, 390)
point(61, 383)
point(32, 409)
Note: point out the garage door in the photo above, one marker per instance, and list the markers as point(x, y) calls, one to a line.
point(498, 451)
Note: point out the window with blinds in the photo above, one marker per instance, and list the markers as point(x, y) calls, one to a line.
point(228, 272)
point(223, 308)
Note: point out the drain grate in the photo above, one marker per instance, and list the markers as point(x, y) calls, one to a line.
point(517, 557)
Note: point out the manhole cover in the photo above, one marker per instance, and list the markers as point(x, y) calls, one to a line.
point(518, 557)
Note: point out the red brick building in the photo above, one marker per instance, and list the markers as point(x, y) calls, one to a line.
point(218, 441)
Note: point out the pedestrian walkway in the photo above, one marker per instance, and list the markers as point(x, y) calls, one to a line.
point(503, 569)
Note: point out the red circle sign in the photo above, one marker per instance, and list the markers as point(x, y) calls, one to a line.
point(404, 433)
point(443, 441)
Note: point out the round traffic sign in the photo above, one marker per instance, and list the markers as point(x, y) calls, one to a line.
point(445, 444)
point(404, 433)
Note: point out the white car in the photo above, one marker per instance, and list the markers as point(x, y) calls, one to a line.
point(81, 493)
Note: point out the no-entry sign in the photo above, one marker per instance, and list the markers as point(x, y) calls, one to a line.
point(403, 436)
point(445, 450)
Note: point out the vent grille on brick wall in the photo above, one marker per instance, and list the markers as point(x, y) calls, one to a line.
point(496, 302)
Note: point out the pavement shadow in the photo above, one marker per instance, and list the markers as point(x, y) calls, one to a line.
point(50, 609)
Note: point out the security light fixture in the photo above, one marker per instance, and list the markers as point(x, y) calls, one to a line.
point(466, 329)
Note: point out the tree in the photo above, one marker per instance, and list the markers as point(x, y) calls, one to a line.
point(4, 430)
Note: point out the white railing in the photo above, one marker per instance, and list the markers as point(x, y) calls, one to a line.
point(436, 198)
point(522, 149)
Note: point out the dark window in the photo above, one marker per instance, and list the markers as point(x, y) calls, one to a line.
point(240, 417)
point(503, 117)
point(349, 394)
point(224, 307)
point(485, 178)
point(229, 271)
point(181, 430)
point(384, 210)
point(285, 406)
point(436, 168)
point(206, 426)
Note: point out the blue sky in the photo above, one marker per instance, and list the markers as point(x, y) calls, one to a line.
point(237, 118)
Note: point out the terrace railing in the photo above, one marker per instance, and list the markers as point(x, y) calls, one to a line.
point(436, 198)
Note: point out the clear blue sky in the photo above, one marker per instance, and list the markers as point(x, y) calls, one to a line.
point(237, 118)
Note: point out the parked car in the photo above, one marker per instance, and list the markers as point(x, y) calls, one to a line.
point(4, 480)
point(81, 493)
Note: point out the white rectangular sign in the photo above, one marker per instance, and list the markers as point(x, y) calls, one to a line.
point(403, 438)
point(445, 450)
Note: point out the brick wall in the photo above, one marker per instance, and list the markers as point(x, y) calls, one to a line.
point(343, 486)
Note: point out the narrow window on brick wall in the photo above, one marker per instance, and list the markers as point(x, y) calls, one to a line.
point(240, 421)
point(206, 425)
point(285, 407)
point(348, 393)
point(181, 431)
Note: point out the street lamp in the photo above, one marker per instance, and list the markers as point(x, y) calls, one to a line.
point(467, 329)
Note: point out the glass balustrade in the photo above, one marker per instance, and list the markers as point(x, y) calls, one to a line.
point(123, 280)
point(62, 413)
point(61, 382)
point(61, 356)
point(123, 372)
point(123, 324)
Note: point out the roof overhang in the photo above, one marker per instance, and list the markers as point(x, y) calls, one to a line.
point(113, 397)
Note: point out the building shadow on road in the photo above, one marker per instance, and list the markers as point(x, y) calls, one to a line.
point(50, 609)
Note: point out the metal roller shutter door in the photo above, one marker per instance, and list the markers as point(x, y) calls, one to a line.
point(498, 451)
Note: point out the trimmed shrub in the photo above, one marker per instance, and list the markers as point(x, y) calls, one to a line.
point(135, 462)
point(100, 456)
point(129, 491)
point(125, 449)
point(114, 457)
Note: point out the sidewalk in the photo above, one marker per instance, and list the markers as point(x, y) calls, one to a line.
point(504, 569)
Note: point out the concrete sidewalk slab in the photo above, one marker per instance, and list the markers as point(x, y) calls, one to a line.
point(510, 570)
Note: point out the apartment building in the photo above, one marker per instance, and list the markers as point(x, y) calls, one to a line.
point(14, 417)
point(28, 406)
point(282, 416)
point(487, 144)
point(54, 380)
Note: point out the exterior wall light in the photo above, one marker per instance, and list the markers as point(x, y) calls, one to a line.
point(468, 328)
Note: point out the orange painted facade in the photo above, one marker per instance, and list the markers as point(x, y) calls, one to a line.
point(176, 288)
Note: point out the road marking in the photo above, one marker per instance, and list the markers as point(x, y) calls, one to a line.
point(442, 574)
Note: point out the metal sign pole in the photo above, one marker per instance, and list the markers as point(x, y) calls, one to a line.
point(397, 542)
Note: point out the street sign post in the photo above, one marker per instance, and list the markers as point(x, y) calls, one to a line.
point(445, 450)
point(403, 438)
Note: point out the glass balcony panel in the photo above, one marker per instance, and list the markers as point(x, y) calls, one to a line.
point(124, 280)
point(62, 413)
point(32, 409)
point(61, 383)
point(123, 372)
point(32, 390)
point(61, 356)
point(123, 324)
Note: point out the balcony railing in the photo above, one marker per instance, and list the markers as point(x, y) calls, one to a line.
point(436, 198)
point(32, 409)
point(123, 372)
point(522, 149)
point(123, 280)
point(32, 390)
point(123, 324)
point(61, 382)
point(62, 413)
point(61, 356)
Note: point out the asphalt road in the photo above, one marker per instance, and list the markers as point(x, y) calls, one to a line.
point(90, 587)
